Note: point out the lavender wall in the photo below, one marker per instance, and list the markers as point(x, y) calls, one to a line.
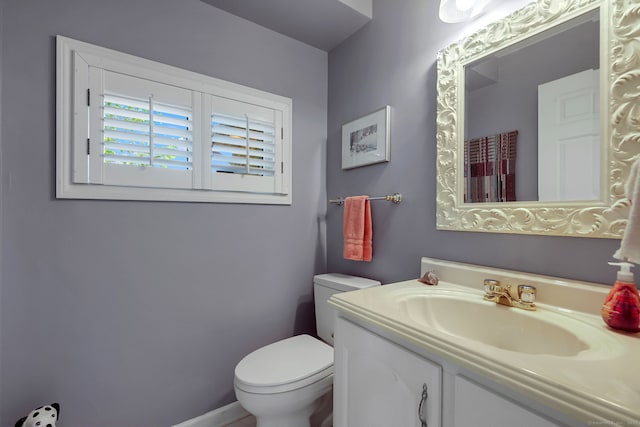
point(393, 61)
point(135, 313)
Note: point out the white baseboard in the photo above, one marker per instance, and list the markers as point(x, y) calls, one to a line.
point(218, 417)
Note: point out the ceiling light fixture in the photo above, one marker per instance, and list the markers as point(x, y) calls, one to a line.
point(452, 11)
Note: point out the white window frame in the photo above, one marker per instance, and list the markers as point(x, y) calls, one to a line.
point(72, 121)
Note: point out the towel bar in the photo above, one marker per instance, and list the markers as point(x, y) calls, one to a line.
point(395, 198)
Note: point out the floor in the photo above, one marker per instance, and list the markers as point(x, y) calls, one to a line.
point(248, 421)
point(322, 417)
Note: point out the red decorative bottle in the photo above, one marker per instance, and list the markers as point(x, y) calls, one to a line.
point(621, 308)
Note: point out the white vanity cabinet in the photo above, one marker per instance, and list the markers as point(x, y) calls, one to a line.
point(475, 405)
point(380, 384)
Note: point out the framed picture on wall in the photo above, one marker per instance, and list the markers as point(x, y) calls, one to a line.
point(365, 141)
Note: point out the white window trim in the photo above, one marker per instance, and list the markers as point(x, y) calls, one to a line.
point(166, 74)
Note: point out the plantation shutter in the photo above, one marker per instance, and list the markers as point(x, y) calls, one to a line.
point(133, 129)
point(145, 131)
point(246, 147)
point(231, 153)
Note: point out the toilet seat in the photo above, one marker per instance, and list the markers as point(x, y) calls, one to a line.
point(285, 365)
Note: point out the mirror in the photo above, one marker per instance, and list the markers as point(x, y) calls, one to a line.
point(543, 92)
point(531, 192)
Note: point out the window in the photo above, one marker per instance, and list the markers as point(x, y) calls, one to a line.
point(129, 128)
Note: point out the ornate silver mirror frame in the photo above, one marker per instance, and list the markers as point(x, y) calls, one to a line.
point(620, 124)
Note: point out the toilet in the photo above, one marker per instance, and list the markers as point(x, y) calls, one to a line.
point(283, 383)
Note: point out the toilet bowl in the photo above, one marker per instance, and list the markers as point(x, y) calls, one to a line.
point(283, 383)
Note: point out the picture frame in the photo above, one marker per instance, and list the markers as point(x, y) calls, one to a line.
point(365, 141)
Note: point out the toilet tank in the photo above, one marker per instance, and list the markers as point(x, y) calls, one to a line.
point(325, 285)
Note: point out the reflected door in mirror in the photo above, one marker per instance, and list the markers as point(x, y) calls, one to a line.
point(569, 138)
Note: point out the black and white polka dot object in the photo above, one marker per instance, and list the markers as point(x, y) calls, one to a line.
point(44, 416)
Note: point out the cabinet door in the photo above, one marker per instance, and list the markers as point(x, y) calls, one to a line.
point(479, 407)
point(380, 384)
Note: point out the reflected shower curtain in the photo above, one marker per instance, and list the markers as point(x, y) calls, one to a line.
point(490, 168)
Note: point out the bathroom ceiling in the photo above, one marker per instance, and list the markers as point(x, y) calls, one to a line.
point(320, 23)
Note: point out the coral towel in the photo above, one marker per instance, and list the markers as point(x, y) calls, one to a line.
point(357, 230)
point(630, 245)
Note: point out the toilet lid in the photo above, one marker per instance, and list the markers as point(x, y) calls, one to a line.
point(288, 364)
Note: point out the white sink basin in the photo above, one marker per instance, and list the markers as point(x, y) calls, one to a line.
point(468, 316)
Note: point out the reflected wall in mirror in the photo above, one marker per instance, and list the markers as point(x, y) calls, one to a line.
point(572, 186)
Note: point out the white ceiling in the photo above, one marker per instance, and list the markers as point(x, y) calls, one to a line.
point(320, 23)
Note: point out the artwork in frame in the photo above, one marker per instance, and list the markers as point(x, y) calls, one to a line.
point(365, 141)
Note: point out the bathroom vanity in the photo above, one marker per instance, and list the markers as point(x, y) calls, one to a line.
point(410, 354)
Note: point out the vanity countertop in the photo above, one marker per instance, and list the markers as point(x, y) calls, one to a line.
point(597, 386)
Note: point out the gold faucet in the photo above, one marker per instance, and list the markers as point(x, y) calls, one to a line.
point(495, 292)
